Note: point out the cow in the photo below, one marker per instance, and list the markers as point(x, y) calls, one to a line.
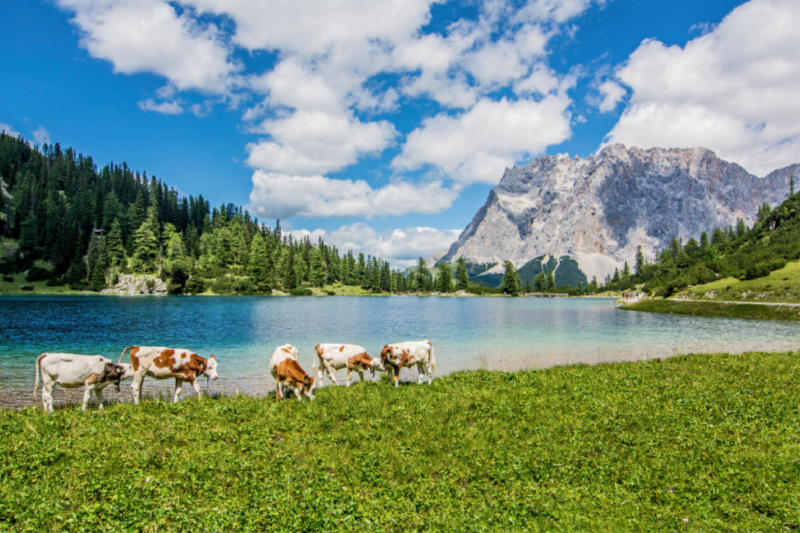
point(71, 371)
point(287, 372)
point(165, 363)
point(332, 357)
point(406, 354)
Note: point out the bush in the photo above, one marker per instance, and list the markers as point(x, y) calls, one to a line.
point(757, 271)
point(26, 287)
point(38, 274)
point(150, 283)
point(196, 285)
point(55, 282)
point(9, 279)
point(330, 293)
point(300, 291)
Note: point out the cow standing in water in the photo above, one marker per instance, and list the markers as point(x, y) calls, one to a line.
point(406, 354)
point(332, 357)
point(288, 373)
point(72, 371)
point(165, 363)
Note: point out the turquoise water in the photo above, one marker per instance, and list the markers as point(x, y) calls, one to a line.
point(467, 333)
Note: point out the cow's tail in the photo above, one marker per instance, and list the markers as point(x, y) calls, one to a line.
point(317, 358)
point(121, 357)
point(36, 383)
point(433, 359)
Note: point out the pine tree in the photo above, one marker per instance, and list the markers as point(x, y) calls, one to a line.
point(704, 240)
point(376, 275)
point(115, 252)
point(444, 281)
point(626, 272)
point(145, 242)
point(97, 263)
point(639, 261)
point(258, 264)
point(290, 276)
point(422, 276)
point(540, 281)
point(528, 287)
point(509, 283)
point(317, 274)
point(551, 282)
point(386, 275)
point(462, 281)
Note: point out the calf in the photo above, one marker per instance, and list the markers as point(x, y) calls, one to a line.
point(165, 363)
point(287, 372)
point(406, 354)
point(332, 357)
point(70, 370)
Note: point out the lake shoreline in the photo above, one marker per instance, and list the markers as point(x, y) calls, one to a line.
point(746, 310)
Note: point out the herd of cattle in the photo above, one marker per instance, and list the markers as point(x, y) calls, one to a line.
point(95, 372)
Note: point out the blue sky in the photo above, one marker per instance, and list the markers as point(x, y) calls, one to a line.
point(384, 125)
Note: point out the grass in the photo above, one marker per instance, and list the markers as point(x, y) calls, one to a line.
point(780, 286)
point(39, 287)
point(693, 443)
point(727, 310)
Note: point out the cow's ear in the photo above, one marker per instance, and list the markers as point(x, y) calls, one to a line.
point(211, 356)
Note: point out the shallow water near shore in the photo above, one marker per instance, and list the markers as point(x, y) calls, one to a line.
point(467, 333)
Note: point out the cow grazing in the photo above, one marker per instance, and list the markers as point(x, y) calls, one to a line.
point(287, 372)
point(406, 354)
point(332, 357)
point(164, 363)
point(70, 370)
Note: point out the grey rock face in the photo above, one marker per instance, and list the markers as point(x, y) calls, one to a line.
point(598, 210)
point(129, 285)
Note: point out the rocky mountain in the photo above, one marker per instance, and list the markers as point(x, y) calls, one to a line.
point(586, 217)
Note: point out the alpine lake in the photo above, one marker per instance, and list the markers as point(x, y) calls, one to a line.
point(503, 334)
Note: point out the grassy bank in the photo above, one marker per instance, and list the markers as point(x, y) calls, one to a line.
point(727, 310)
point(693, 443)
point(780, 286)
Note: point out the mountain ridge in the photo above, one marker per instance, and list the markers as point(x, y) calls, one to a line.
point(598, 210)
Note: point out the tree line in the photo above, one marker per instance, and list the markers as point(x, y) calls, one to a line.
point(90, 226)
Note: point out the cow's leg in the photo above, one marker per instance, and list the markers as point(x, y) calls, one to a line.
point(348, 377)
point(297, 393)
point(197, 389)
point(98, 392)
point(429, 372)
point(361, 374)
point(280, 392)
point(87, 393)
point(178, 385)
point(47, 393)
point(396, 376)
point(138, 378)
point(420, 372)
point(329, 369)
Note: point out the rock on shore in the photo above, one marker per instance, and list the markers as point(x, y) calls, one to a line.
point(131, 284)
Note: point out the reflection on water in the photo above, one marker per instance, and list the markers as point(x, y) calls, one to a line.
point(467, 333)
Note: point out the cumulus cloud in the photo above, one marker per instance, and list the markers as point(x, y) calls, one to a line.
point(285, 196)
point(401, 247)
point(165, 108)
point(611, 94)
point(733, 90)
point(477, 145)
point(9, 130)
point(151, 36)
point(41, 135)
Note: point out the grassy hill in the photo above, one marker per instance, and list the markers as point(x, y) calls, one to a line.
point(779, 286)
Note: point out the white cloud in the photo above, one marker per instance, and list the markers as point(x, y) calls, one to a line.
point(312, 142)
point(733, 90)
point(284, 196)
point(150, 36)
point(41, 135)
point(402, 248)
point(612, 94)
point(165, 108)
point(477, 145)
point(9, 130)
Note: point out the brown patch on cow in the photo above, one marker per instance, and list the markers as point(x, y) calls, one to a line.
point(316, 349)
point(290, 372)
point(135, 358)
point(341, 348)
point(362, 359)
point(385, 353)
point(405, 358)
point(429, 343)
point(166, 360)
point(287, 350)
point(196, 365)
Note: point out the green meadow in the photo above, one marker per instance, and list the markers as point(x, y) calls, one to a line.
point(691, 443)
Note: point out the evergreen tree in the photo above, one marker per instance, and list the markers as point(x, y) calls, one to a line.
point(97, 263)
point(528, 287)
point(258, 264)
point(509, 283)
point(386, 275)
point(540, 281)
point(422, 276)
point(317, 274)
point(704, 240)
point(376, 275)
point(551, 282)
point(115, 252)
point(626, 272)
point(145, 242)
point(176, 263)
point(290, 277)
point(444, 281)
point(462, 281)
point(639, 261)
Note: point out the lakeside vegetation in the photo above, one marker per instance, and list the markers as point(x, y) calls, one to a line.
point(717, 309)
point(692, 443)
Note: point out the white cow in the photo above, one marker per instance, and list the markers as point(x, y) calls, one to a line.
point(287, 372)
point(72, 371)
point(164, 363)
point(332, 357)
point(406, 354)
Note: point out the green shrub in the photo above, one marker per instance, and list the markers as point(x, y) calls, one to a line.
point(55, 282)
point(9, 279)
point(300, 291)
point(196, 285)
point(757, 271)
point(26, 287)
point(150, 283)
point(330, 293)
point(38, 274)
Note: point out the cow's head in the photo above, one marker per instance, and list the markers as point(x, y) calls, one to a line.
point(125, 370)
point(309, 384)
point(386, 355)
point(211, 367)
point(375, 364)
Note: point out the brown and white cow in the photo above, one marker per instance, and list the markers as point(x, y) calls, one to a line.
point(72, 371)
point(332, 357)
point(406, 354)
point(288, 373)
point(164, 363)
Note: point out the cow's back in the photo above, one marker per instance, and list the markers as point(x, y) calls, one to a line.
point(72, 370)
point(338, 354)
point(281, 354)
